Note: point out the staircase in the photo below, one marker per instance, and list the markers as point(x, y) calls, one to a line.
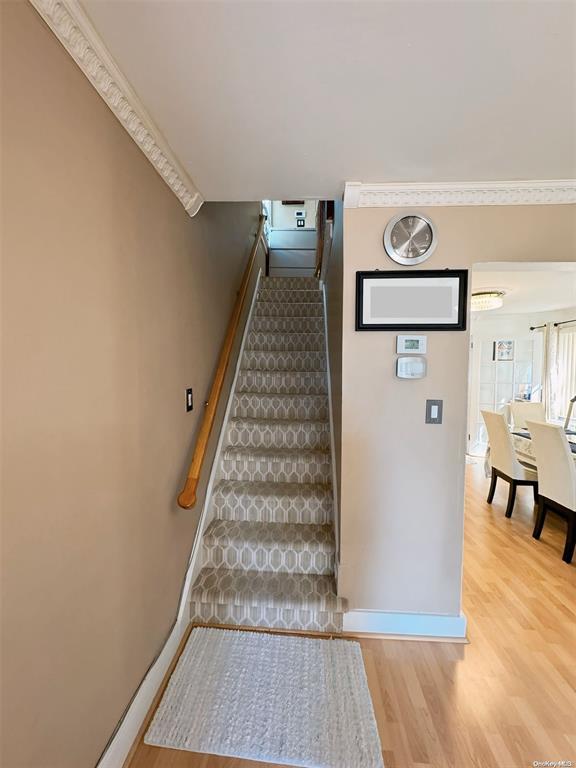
point(268, 552)
point(293, 252)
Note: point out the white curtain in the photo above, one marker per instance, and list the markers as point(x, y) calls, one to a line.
point(562, 370)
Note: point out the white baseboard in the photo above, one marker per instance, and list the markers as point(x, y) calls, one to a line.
point(119, 746)
point(420, 625)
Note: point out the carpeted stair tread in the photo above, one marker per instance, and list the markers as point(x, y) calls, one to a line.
point(278, 433)
point(290, 282)
point(275, 490)
point(264, 589)
point(287, 325)
point(278, 382)
point(295, 360)
point(273, 502)
point(282, 465)
point(260, 405)
point(284, 535)
point(277, 547)
point(274, 341)
point(289, 309)
point(290, 295)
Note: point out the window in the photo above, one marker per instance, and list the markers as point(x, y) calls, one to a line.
point(563, 379)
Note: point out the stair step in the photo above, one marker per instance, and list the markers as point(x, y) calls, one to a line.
point(263, 599)
point(276, 547)
point(256, 405)
point(290, 295)
point(287, 325)
point(308, 503)
point(293, 258)
point(293, 271)
point(273, 341)
point(295, 360)
point(276, 465)
point(289, 309)
point(279, 433)
point(293, 239)
point(285, 283)
point(285, 382)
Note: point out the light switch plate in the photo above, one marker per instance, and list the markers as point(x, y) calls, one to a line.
point(434, 411)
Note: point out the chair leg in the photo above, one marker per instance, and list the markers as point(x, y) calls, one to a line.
point(535, 491)
point(493, 482)
point(570, 539)
point(511, 499)
point(540, 518)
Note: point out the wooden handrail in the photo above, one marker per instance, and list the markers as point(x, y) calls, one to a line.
point(187, 497)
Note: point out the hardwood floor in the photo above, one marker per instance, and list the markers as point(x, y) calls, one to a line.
point(506, 699)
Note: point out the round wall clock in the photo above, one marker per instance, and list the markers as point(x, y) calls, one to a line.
point(409, 239)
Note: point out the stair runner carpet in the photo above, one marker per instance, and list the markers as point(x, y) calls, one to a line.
point(268, 552)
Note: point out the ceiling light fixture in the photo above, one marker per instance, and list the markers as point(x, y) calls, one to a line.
point(485, 300)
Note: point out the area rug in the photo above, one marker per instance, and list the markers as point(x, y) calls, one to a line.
point(272, 698)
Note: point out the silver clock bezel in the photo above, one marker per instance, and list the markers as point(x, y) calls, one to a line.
point(389, 248)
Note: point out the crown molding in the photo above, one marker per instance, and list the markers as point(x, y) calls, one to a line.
point(75, 31)
point(359, 195)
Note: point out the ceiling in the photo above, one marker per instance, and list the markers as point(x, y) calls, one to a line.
point(529, 290)
point(289, 99)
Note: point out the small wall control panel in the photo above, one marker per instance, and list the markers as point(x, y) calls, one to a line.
point(411, 367)
point(411, 345)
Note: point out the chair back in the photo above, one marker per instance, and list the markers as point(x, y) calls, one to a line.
point(523, 412)
point(502, 453)
point(555, 463)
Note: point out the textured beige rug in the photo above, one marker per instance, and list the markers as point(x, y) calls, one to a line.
point(279, 699)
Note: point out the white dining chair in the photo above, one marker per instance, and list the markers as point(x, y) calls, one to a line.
point(557, 476)
point(526, 411)
point(504, 461)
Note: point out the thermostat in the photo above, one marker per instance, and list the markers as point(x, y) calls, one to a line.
point(411, 345)
point(411, 367)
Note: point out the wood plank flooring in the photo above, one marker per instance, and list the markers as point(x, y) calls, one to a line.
point(503, 701)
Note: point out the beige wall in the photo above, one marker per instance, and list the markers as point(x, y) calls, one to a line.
point(114, 301)
point(402, 480)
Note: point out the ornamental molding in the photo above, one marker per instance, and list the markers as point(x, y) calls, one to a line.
point(75, 31)
point(359, 195)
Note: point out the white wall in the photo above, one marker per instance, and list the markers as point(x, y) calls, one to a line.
point(283, 216)
point(486, 328)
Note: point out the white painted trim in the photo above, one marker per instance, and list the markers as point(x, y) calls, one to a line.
point(332, 445)
point(405, 624)
point(119, 746)
point(73, 28)
point(127, 731)
point(202, 523)
point(547, 192)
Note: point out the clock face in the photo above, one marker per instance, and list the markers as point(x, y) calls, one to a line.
point(409, 239)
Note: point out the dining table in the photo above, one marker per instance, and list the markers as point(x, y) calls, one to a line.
point(525, 450)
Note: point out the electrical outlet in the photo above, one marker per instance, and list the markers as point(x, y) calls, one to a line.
point(189, 400)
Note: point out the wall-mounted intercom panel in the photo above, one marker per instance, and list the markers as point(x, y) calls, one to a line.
point(411, 367)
